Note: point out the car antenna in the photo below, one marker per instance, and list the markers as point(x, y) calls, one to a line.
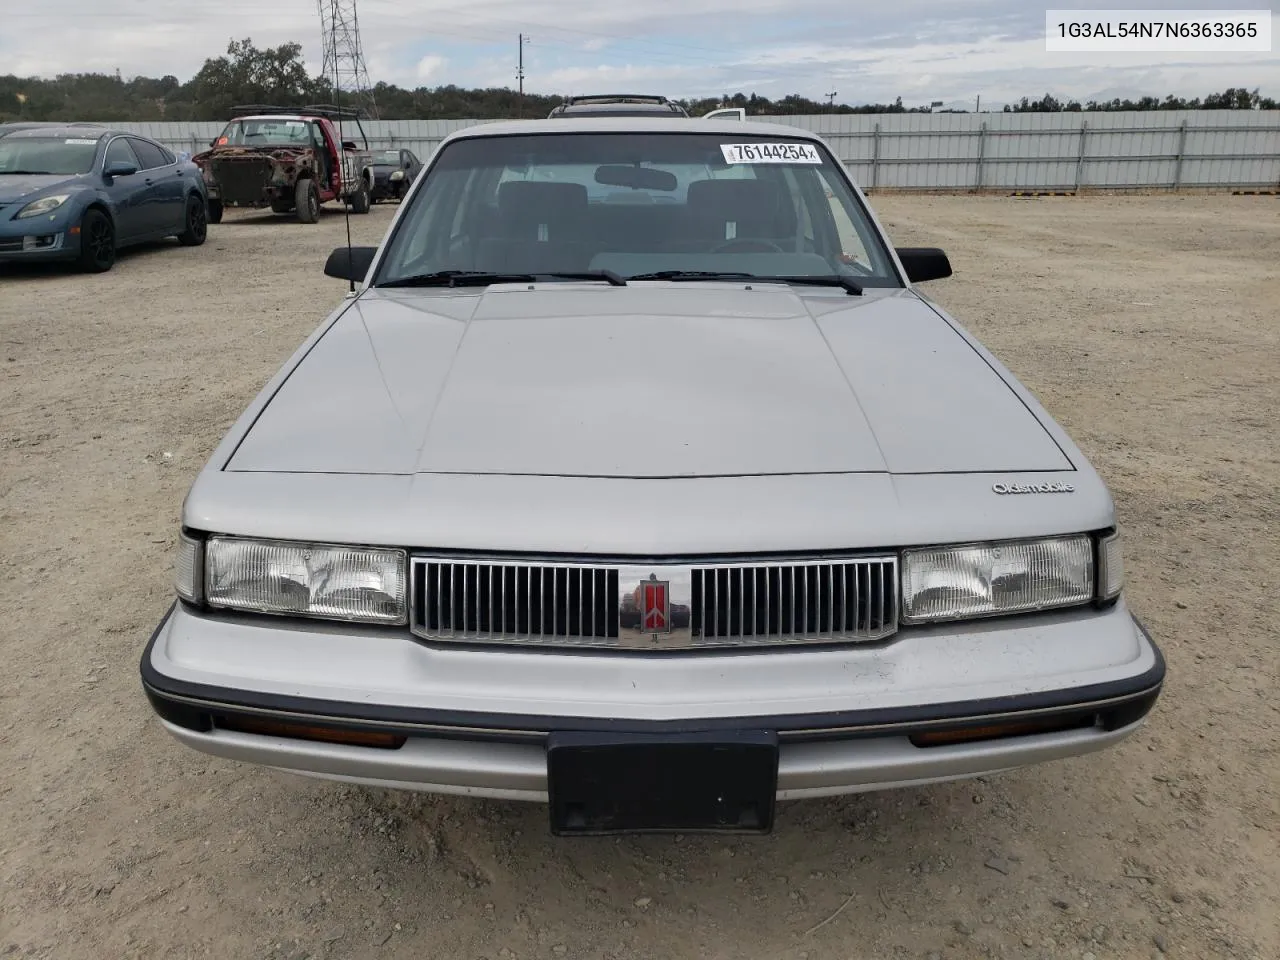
point(342, 150)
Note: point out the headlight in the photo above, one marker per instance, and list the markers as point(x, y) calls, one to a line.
point(306, 580)
point(982, 580)
point(44, 205)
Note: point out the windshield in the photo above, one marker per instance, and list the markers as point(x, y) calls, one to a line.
point(637, 203)
point(269, 132)
point(391, 157)
point(60, 155)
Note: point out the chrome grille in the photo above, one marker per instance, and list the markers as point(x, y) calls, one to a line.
point(820, 600)
point(782, 602)
point(469, 600)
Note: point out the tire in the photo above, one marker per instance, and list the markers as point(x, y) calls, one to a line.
point(97, 242)
point(307, 201)
point(215, 211)
point(360, 199)
point(196, 224)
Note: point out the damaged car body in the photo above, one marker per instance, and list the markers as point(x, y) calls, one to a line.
point(637, 477)
point(289, 159)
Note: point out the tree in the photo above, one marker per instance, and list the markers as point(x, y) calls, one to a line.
point(277, 75)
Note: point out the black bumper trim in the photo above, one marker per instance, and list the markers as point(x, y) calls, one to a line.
point(194, 706)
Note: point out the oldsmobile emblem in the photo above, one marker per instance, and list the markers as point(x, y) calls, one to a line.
point(655, 606)
point(1004, 488)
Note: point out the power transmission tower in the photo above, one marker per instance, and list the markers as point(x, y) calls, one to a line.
point(343, 56)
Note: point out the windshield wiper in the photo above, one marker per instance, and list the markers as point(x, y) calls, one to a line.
point(456, 278)
point(614, 279)
point(692, 275)
point(851, 286)
point(482, 278)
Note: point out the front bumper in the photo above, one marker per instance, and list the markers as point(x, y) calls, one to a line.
point(477, 721)
point(385, 187)
point(36, 239)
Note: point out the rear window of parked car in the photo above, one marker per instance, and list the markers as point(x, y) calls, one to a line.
point(149, 154)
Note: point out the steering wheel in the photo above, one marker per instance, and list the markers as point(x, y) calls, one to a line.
point(747, 246)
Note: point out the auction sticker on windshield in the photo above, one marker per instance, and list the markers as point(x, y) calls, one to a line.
point(770, 153)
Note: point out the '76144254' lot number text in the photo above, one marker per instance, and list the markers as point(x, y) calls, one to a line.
point(770, 152)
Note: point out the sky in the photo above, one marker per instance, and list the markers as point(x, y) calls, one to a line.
point(921, 50)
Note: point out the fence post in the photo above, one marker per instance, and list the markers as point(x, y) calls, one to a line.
point(982, 152)
point(875, 156)
point(1182, 148)
point(1084, 136)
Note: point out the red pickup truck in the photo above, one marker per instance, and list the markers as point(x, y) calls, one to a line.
point(289, 159)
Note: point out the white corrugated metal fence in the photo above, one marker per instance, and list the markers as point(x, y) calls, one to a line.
point(1007, 152)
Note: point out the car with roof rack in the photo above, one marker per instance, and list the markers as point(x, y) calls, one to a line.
point(82, 192)
point(618, 105)
point(637, 476)
point(290, 159)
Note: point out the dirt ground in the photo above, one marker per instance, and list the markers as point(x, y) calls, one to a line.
point(1149, 325)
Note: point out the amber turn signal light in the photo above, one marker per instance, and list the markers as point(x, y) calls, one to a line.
point(302, 731)
point(998, 731)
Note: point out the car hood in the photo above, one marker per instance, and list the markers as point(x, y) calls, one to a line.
point(15, 187)
point(648, 380)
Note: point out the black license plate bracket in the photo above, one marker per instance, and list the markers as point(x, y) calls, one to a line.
point(720, 782)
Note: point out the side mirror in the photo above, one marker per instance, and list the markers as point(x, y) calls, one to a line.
point(350, 263)
point(119, 168)
point(349, 145)
point(924, 263)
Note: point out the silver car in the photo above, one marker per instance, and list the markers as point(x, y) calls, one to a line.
point(636, 477)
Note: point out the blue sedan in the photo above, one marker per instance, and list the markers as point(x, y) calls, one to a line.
point(82, 193)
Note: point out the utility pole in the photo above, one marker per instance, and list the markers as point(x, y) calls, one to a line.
point(977, 107)
point(831, 99)
point(521, 41)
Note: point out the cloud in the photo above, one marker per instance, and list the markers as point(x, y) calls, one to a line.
point(921, 50)
point(429, 66)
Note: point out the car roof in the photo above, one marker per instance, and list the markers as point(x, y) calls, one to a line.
point(657, 124)
point(80, 132)
point(17, 126)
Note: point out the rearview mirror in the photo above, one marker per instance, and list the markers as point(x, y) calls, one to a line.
point(639, 178)
point(350, 263)
point(119, 168)
point(924, 263)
